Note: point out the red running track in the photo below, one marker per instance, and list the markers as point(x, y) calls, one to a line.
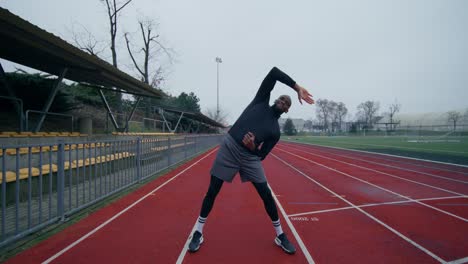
point(341, 207)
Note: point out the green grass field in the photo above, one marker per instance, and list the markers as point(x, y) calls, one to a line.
point(451, 152)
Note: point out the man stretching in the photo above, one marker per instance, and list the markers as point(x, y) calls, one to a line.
point(247, 143)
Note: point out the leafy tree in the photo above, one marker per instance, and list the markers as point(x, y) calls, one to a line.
point(189, 102)
point(34, 89)
point(289, 128)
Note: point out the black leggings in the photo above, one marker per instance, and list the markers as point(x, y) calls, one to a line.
point(262, 189)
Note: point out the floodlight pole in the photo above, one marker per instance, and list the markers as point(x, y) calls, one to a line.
point(218, 61)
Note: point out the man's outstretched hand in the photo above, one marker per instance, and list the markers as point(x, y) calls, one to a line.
point(303, 94)
point(249, 141)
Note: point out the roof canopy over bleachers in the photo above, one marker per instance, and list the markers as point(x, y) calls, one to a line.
point(194, 116)
point(28, 45)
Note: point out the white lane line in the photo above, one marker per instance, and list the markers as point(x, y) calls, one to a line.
point(390, 146)
point(120, 213)
point(375, 204)
point(459, 261)
point(383, 154)
point(381, 188)
point(391, 166)
point(184, 250)
point(293, 230)
point(400, 160)
point(367, 214)
point(380, 172)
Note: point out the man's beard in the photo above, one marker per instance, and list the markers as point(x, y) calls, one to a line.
point(277, 110)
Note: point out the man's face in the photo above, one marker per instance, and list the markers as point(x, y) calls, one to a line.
point(283, 103)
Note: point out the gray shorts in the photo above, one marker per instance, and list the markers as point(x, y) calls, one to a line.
point(233, 158)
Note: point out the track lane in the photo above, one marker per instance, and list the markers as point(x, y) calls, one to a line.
point(459, 172)
point(142, 234)
point(393, 180)
point(450, 236)
point(434, 176)
point(238, 230)
point(339, 236)
point(375, 174)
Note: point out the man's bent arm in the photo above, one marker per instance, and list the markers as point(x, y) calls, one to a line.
point(267, 147)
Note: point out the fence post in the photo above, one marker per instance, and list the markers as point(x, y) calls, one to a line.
point(138, 159)
point(169, 152)
point(60, 179)
point(185, 147)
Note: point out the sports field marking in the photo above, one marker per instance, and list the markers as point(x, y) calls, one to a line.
point(376, 186)
point(310, 203)
point(390, 146)
point(391, 166)
point(293, 230)
point(121, 212)
point(375, 204)
point(459, 261)
point(378, 153)
point(399, 160)
point(367, 214)
point(454, 204)
point(380, 172)
point(184, 250)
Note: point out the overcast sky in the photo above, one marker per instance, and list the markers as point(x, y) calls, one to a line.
point(411, 51)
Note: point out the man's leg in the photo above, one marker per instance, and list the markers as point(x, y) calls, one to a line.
point(208, 201)
point(270, 206)
point(207, 205)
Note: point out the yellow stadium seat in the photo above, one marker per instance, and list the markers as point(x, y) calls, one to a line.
point(78, 163)
point(9, 133)
point(24, 172)
point(10, 176)
point(12, 151)
point(46, 168)
point(90, 161)
point(38, 134)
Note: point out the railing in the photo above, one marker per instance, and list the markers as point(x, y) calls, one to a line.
point(42, 184)
point(47, 113)
point(154, 122)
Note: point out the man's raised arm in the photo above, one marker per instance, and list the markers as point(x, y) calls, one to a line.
point(269, 82)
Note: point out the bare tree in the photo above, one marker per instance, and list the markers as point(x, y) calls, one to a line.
point(218, 116)
point(113, 9)
point(86, 41)
point(368, 110)
point(149, 37)
point(454, 116)
point(308, 124)
point(341, 112)
point(324, 112)
point(392, 110)
point(333, 107)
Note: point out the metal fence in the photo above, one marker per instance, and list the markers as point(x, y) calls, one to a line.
point(42, 184)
